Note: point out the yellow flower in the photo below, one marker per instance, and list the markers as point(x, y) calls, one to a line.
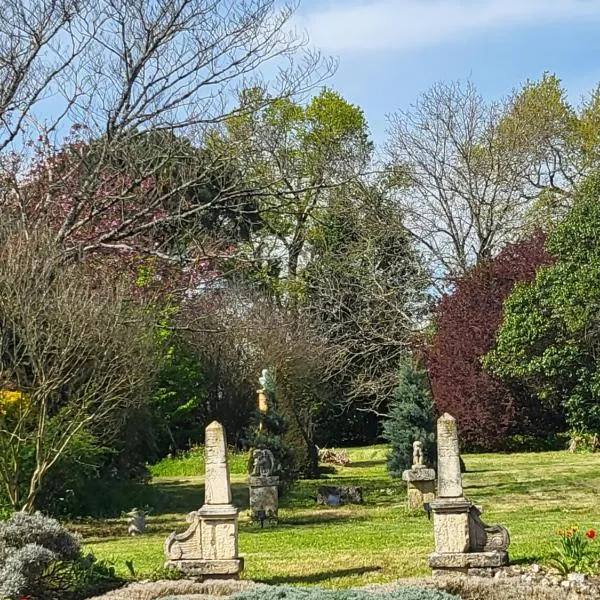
point(10, 399)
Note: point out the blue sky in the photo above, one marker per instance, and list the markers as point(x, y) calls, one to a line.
point(391, 50)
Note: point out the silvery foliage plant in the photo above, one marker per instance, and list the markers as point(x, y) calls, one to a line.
point(29, 545)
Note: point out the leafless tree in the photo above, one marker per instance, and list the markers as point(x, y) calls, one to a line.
point(463, 188)
point(367, 292)
point(75, 356)
point(252, 331)
point(107, 73)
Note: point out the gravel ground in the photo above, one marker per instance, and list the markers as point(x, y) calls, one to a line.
point(513, 583)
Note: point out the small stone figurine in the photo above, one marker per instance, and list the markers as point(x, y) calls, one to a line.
point(264, 463)
point(420, 480)
point(417, 455)
point(137, 522)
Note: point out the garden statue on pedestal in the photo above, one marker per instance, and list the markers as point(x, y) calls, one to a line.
point(264, 496)
point(263, 481)
point(420, 480)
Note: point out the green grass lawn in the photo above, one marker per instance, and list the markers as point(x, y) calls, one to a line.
point(532, 494)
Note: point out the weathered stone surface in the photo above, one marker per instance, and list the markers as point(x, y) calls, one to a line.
point(264, 496)
point(216, 480)
point(263, 463)
point(486, 538)
point(219, 533)
point(449, 476)
point(211, 588)
point(204, 568)
point(467, 560)
point(269, 481)
point(419, 492)
point(451, 531)
point(348, 494)
point(419, 474)
point(187, 544)
point(209, 547)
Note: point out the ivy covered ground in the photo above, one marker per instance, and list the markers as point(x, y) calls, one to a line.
point(533, 494)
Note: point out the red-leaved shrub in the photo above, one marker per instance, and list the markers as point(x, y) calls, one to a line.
point(487, 410)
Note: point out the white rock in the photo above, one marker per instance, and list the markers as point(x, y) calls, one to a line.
point(576, 577)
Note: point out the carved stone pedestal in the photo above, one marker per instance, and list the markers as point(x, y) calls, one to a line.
point(209, 546)
point(469, 563)
point(420, 486)
point(264, 497)
point(463, 542)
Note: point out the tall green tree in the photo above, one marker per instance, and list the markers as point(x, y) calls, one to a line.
point(411, 418)
point(294, 155)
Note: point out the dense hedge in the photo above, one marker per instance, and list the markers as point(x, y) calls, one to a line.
point(289, 593)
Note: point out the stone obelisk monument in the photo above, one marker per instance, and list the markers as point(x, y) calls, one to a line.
point(463, 542)
point(209, 547)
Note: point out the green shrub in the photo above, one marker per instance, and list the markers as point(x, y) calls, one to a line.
point(97, 479)
point(411, 417)
point(289, 593)
point(548, 340)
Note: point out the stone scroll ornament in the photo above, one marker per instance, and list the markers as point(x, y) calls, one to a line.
point(209, 546)
point(463, 542)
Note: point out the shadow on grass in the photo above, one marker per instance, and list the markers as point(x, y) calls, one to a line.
point(514, 487)
point(318, 577)
point(316, 519)
point(181, 496)
point(366, 464)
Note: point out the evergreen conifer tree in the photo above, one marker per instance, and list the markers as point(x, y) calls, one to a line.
point(411, 417)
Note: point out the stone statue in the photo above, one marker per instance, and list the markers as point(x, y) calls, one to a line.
point(137, 522)
point(463, 542)
point(264, 463)
point(263, 378)
point(420, 480)
point(417, 455)
point(209, 546)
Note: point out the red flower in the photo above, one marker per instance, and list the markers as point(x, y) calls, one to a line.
point(591, 534)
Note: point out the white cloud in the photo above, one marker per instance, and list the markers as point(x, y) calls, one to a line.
point(370, 25)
